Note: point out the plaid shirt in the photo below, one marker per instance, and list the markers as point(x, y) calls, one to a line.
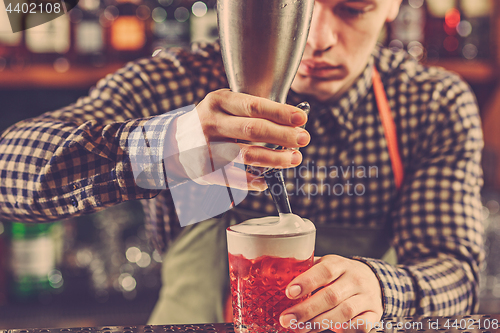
point(75, 161)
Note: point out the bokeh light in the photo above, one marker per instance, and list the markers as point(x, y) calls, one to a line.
point(452, 17)
point(143, 12)
point(470, 51)
point(144, 261)
point(416, 50)
point(61, 65)
point(493, 206)
point(127, 282)
point(157, 256)
point(416, 3)
point(111, 13)
point(56, 279)
point(133, 254)
point(396, 45)
point(199, 9)
point(165, 3)
point(464, 28)
point(181, 14)
point(159, 15)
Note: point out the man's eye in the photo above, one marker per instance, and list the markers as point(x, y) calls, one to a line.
point(353, 11)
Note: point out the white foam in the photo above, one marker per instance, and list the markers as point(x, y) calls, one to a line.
point(285, 224)
point(287, 236)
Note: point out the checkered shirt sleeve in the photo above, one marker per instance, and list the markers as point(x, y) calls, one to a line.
point(77, 160)
point(437, 216)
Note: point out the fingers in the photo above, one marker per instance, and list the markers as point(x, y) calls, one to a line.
point(262, 130)
point(344, 289)
point(262, 156)
point(325, 271)
point(244, 105)
point(224, 114)
point(325, 299)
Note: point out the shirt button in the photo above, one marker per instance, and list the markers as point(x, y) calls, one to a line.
point(74, 202)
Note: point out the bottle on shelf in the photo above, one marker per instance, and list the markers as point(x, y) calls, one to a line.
point(474, 28)
point(171, 23)
point(203, 22)
point(50, 42)
point(33, 254)
point(459, 29)
point(88, 34)
point(11, 43)
point(407, 31)
point(440, 31)
point(129, 29)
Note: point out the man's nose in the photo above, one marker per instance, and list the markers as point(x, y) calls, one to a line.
point(323, 34)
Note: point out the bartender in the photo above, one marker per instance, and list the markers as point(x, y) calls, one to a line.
point(389, 161)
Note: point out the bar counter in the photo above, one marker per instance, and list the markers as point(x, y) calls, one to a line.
point(464, 324)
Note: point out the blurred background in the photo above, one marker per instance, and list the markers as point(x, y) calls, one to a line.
point(99, 269)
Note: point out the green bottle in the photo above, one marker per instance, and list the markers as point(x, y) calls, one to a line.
point(33, 251)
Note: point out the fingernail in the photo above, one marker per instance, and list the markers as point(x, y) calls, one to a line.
point(296, 157)
point(294, 291)
point(302, 138)
point(298, 118)
point(286, 320)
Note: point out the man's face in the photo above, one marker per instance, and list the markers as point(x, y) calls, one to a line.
point(342, 36)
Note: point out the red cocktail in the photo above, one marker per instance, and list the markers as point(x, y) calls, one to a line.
point(258, 290)
point(265, 255)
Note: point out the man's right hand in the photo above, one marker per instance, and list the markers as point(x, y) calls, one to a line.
point(232, 117)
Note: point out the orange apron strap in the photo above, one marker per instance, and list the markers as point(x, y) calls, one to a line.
point(389, 128)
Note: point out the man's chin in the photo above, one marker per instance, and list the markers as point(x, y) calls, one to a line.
point(321, 90)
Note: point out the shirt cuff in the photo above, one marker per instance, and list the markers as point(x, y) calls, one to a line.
point(147, 147)
point(189, 136)
point(173, 148)
point(398, 296)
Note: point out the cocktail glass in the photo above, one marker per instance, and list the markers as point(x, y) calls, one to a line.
point(262, 262)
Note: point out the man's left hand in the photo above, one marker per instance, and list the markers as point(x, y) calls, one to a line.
point(347, 291)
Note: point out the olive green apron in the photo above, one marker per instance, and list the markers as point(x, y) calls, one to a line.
point(195, 275)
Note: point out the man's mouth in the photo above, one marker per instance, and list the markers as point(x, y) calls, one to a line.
point(319, 69)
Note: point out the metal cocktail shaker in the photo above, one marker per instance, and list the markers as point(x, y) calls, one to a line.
point(262, 44)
